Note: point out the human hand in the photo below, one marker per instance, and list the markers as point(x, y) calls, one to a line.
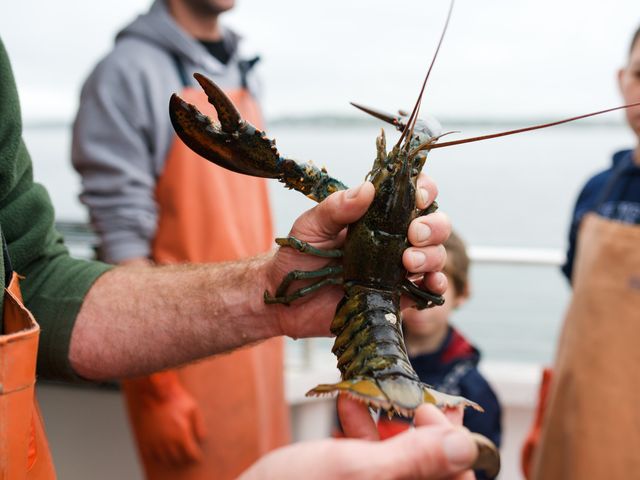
point(356, 420)
point(166, 419)
point(324, 227)
point(435, 449)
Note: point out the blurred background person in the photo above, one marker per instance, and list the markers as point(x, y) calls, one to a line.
point(590, 429)
point(151, 199)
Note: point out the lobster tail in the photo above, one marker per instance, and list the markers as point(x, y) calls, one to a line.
point(372, 357)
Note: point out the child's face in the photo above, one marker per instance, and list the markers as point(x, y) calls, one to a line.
point(431, 320)
point(629, 81)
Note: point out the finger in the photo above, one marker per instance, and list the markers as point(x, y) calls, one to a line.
point(176, 454)
point(432, 229)
point(330, 216)
point(160, 453)
point(428, 414)
point(454, 414)
point(435, 282)
point(189, 450)
point(426, 191)
point(468, 475)
point(356, 420)
point(199, 426)
point(433, 452)
point(424, 259)
point(168, 454)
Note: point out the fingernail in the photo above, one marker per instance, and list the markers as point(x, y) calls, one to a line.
point(353, 191)
point(424, 197)
point(423, 232)
point(417, 257)
point(440, 280)
point(459, 448)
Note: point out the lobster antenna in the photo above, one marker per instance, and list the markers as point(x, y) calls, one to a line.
point(525, 129)
point(414, 114)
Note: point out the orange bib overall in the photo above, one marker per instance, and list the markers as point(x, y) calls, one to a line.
point(24, 452)
point(209, 214)
point(591, 429)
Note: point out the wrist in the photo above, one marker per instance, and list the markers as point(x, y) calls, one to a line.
point(266, 279)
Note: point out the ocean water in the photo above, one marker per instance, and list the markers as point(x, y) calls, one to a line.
point(513, 192)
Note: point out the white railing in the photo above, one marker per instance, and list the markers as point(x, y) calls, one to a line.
point(517, 256)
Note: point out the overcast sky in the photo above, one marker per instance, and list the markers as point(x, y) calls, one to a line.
point(501, 58)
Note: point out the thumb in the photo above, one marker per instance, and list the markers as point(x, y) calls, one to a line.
point(338, 210)
point(434, 452)
point(356, 420)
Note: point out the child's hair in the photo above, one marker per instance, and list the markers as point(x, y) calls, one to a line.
point(457, 267)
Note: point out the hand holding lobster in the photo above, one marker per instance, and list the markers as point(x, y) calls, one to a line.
point(437, 449)
point(324, 227)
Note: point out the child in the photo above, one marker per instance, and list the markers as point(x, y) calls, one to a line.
point(443, 358)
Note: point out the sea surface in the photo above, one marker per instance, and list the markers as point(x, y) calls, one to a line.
point(513, 192)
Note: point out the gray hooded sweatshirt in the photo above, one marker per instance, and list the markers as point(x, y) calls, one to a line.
point(122, 132)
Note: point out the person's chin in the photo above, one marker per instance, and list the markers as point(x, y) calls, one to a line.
point(419, 328)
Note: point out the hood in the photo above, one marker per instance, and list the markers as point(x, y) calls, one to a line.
point(624, 156)
point(159, 28)
point(454, 349)
point(457, 348)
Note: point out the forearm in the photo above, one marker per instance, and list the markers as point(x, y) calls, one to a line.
point(137, 320)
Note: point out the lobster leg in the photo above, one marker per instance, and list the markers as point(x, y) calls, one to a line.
point(422, 298)
point(305, 247)
point(328, 271)
point(238, 146)
point(430, 209)
point(287, 299)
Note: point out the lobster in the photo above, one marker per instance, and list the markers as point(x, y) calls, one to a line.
point(369, 345)
point(372, 357)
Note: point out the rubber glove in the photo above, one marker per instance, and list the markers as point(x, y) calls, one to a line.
point(166, 419)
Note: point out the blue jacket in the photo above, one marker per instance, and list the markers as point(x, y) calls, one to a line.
point(621, 202)
point(453, 369)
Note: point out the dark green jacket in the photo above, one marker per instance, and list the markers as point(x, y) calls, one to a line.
point(55, 284)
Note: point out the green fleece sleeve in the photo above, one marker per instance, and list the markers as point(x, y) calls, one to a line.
point(54, 284)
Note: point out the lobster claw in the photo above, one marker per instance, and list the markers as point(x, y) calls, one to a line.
point(233, 143)
point(238, 146)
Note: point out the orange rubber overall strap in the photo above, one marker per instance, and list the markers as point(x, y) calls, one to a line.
point(209, 214)
point(24, 451)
